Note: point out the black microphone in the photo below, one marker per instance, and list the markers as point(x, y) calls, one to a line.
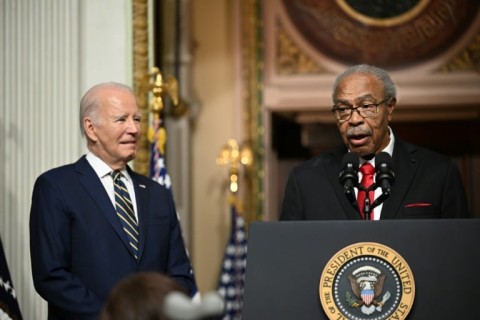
point(385, 177)
point(349, 176)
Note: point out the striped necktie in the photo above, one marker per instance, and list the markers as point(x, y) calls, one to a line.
point(124, 208)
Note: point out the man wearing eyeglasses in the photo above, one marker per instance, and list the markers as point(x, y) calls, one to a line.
point(427, 184)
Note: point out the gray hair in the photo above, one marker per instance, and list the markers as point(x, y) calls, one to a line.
point(379, 73)
point(90, 102)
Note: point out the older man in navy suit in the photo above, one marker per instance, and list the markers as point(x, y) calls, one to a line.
point(80, 247)
point(425, 185)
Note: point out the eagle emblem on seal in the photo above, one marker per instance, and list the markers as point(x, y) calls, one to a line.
point(367, 286)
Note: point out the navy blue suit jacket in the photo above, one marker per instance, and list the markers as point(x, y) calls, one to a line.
point(427, 185)
point(78, 248)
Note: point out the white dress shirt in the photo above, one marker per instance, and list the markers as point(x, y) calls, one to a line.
point(378, 191)
point(103, 172)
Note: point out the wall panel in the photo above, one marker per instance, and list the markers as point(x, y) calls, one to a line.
point(51, 52)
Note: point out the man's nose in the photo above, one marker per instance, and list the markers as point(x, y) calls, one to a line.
point(133, 126)
point(355, 117)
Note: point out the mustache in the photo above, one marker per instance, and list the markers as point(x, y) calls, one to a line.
point(358, 131)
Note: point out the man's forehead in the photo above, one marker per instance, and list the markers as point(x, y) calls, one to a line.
point(359, 86)
point(359, 98)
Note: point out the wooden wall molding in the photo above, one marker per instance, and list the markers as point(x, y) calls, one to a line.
point(298, 77)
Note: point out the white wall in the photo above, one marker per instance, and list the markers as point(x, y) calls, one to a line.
point(105, 42)
point(214, 87)
point(51, 52)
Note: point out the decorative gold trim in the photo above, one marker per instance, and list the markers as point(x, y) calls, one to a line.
point(252, 72)
point(388, 22)
point(140, 73)
point(467, 60)
point(290, 59)
point(234, 156)
point(157, 135)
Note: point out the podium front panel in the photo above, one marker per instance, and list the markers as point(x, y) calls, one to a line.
point(286, 259)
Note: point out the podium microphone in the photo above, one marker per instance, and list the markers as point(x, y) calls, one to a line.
point(385, 176)
point(178, 306)
point(349, 176)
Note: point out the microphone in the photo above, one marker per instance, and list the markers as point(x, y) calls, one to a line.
point(349, 176)
point(178, 306)
point(385, 177)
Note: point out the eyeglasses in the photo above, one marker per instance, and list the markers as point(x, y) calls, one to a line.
point(367, 110)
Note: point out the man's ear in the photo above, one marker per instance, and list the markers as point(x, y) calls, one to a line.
point(390, 107)
point(89, 127)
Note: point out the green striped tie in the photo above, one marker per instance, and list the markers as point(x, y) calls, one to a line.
point(124, 208)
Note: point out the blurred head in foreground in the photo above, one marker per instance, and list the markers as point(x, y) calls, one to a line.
point(139, 297)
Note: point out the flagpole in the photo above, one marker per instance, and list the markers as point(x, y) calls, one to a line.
point(157, 135)
point(232, 276)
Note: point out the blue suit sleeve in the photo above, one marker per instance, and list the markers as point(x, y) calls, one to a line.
point(50, 247)
point(179, 266)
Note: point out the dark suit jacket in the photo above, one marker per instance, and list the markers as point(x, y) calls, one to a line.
point(427, 185)
point(78, 248)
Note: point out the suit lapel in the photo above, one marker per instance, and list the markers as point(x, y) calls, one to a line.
point(405, 165)
point(92, 184)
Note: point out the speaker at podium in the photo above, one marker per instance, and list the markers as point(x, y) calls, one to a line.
point(387, 269)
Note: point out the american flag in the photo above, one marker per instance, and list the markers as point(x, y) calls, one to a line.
point(158, 169)
point(9, 308)
point(232, 278)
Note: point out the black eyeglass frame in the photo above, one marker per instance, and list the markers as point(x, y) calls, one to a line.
point(335, 108)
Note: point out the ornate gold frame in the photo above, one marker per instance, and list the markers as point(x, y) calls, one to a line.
point(252, 108)
point(140, 75)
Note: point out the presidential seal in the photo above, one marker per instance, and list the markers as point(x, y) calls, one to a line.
point(367, 281)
